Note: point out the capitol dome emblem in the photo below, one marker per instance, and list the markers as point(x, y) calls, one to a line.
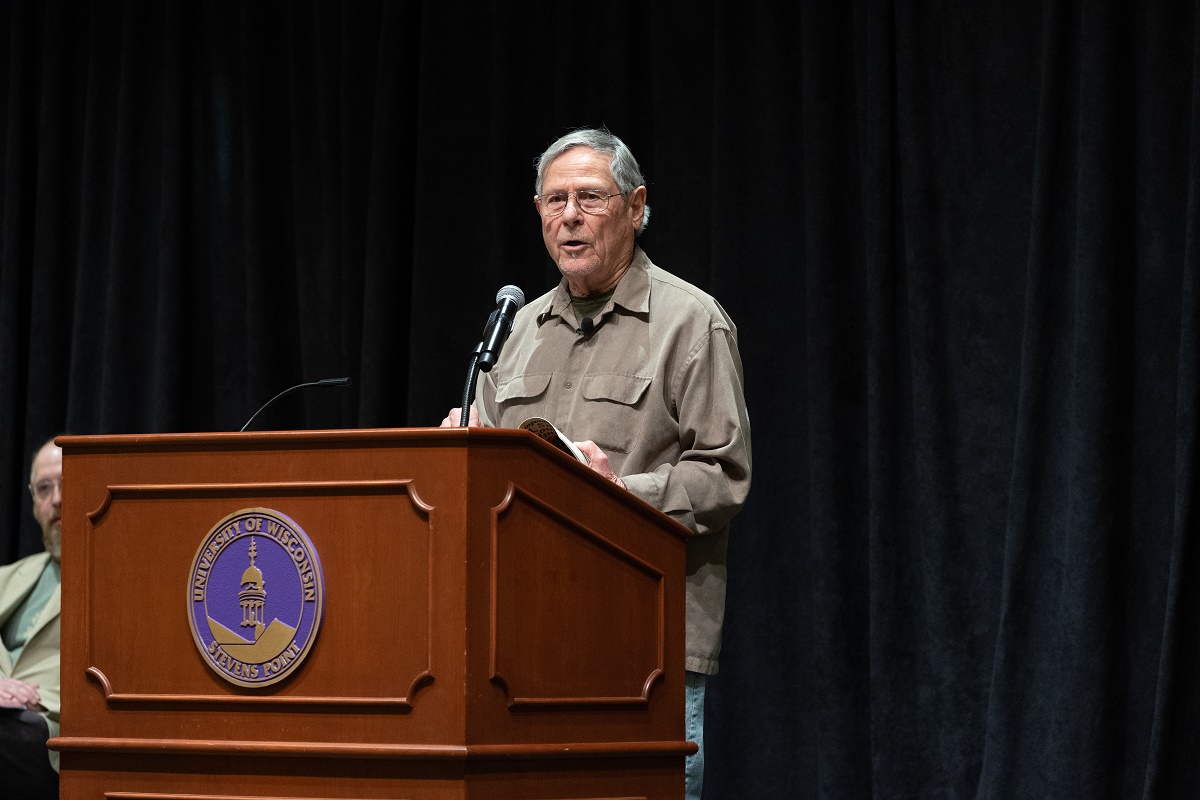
point(255, 597)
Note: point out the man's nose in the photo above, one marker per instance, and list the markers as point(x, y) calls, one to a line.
point(572, 210)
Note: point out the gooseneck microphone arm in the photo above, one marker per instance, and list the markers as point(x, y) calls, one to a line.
point(469, 389)
point(322, 382)
point(509, 301)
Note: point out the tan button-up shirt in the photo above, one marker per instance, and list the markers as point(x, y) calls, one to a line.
point(658, 387)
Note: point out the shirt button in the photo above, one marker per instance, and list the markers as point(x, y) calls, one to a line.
point(568, 384)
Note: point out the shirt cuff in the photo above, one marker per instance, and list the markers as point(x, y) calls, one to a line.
point(648, 486)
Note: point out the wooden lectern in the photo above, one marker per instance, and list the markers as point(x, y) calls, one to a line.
point(486, 618)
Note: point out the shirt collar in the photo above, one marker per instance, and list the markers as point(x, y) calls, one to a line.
point(632, 293)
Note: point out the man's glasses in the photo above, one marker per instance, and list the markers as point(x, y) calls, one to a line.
point(44, 489)
point(589, 201)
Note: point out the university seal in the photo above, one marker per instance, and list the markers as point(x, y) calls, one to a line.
point(255, 597)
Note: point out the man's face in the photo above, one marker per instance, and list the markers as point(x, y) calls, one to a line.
point(591, 250)
point(46, 479)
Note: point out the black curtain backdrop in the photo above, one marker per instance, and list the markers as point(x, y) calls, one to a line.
point(959, 241)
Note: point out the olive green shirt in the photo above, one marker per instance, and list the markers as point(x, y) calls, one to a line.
point(658, 387)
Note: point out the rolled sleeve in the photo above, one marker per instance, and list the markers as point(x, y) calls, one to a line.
point(708, 484)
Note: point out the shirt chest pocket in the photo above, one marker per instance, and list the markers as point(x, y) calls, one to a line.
point(523, 389)
point(613, 408)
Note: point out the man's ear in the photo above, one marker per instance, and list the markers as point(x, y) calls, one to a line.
point(637, 206)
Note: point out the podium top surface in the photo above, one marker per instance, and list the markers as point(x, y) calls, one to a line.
point(330, 437)
point(468, 440)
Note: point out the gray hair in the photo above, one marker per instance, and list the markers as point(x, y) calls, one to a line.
point(623, 165)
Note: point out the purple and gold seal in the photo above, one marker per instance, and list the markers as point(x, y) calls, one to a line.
point(255, 597)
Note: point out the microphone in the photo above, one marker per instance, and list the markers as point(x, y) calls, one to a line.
point(499, 325)
point(322, 382)
point(588, 326)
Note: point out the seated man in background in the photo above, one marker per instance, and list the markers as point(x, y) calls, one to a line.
point(29, 670)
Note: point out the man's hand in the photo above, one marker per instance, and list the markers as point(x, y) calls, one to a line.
point(451, 420)
point(19, 694)
point(599, 461)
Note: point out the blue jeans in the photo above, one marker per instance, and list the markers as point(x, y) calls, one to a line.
point(694, 729)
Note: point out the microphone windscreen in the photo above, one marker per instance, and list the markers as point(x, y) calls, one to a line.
point(513, 293)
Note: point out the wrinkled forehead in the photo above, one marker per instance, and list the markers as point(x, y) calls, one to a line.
point(579, 165)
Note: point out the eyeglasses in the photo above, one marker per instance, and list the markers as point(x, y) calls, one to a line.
point(44, 489)
point(589, 201)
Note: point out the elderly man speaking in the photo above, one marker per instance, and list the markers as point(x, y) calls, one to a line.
point(641, 368)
